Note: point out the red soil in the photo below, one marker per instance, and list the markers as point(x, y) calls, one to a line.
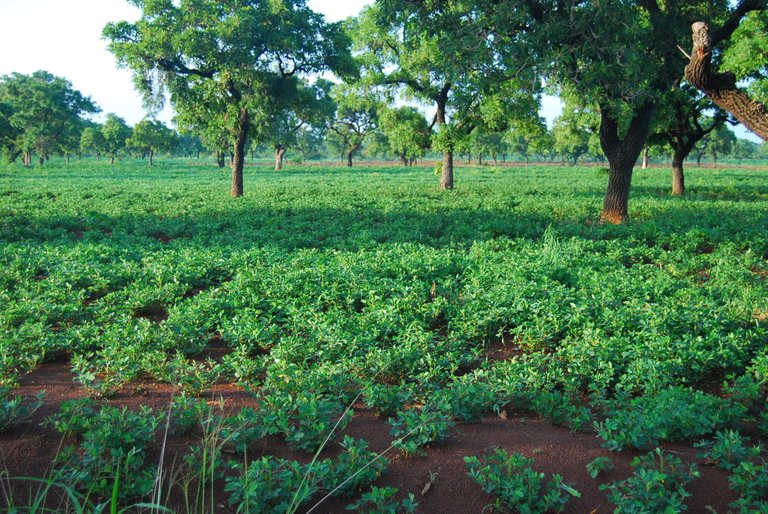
point(30, 449)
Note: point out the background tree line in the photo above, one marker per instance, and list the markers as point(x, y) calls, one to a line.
point(244, 74)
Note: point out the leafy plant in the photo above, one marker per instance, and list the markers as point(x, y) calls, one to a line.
point(112, 452)
point(597, 466)
point(16, 410)
point(516, 486)
point(657, 484)
point(186, 413)
point(671, 414)
point(380, 500)
point(728, 449)
point(750, 481)
point(416, 428)
point(355, 467)
point(269, 485)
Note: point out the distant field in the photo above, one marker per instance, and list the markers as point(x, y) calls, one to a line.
point(327, 287)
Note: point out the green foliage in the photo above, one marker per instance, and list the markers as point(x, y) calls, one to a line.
point(111, 452)
point(560, 409)
point(151, 136)
point(575, 131)
point(269, 485)
point(516, 486)
point(228, 96)
point(16, 410)
point(597, 466)
point(381, 500)
point(187, 413)
point(407, 132)
point(746, 56)
point(657, 484)
point(40, 113)
point(505, 294)
point(729, 449)
point(670, 415)
point(354, 468)
point(750, 481)
point(114, 136)
point(415, 428)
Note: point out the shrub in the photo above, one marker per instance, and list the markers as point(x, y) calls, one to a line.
point(516, 486)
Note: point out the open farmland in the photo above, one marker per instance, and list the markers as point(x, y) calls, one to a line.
point(500, 314)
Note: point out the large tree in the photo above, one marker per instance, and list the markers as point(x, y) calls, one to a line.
point(114, 135)
point(357, 116)
point(302, 105)
point(683, 118)
point(623, 56)
point(42, 112)
point(225, 63)
point(462, 58)
point(150, 136)
point(407, 132)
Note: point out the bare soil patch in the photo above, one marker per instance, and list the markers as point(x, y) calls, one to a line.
point(29, 450)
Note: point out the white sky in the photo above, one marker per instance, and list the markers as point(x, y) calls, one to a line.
point(64, 38)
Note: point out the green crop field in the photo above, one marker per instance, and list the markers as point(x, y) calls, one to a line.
point(369, 287)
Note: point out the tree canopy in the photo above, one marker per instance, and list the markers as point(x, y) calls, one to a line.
point(462, 57)
point(224, 64)
point(38, 113)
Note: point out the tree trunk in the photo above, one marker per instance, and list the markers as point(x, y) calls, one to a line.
point(403, 159)
point(622, 154)
point(279, 154)
point(220, 160)
point(151, 157)
point(111, 160)
point(446, 178)
point(42, 161)
point(721, 87)
point(480, 159)
point(238, 156)
point(349, 158)
point(645, 158)
point(678, 178)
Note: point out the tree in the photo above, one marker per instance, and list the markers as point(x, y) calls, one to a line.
point(574, 132)
point(114, 134)
point(621, 56)
point(681, 122)
point(150, 136)
point(225, 63)
point(310, 141)
point(744, 149)
point(357, 116)
point(92, 140)
point(407, 132)
point(747, 58)
point(190, 145)
point(463, 58)
point(8, 133)
point(720, 142)
point(302, 105)
point(528, 138)
point(43, 110)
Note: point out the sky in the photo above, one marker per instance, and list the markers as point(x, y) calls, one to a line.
point(63, 37)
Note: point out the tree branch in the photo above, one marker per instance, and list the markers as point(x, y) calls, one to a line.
point(734, 20)
point(721, 87)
